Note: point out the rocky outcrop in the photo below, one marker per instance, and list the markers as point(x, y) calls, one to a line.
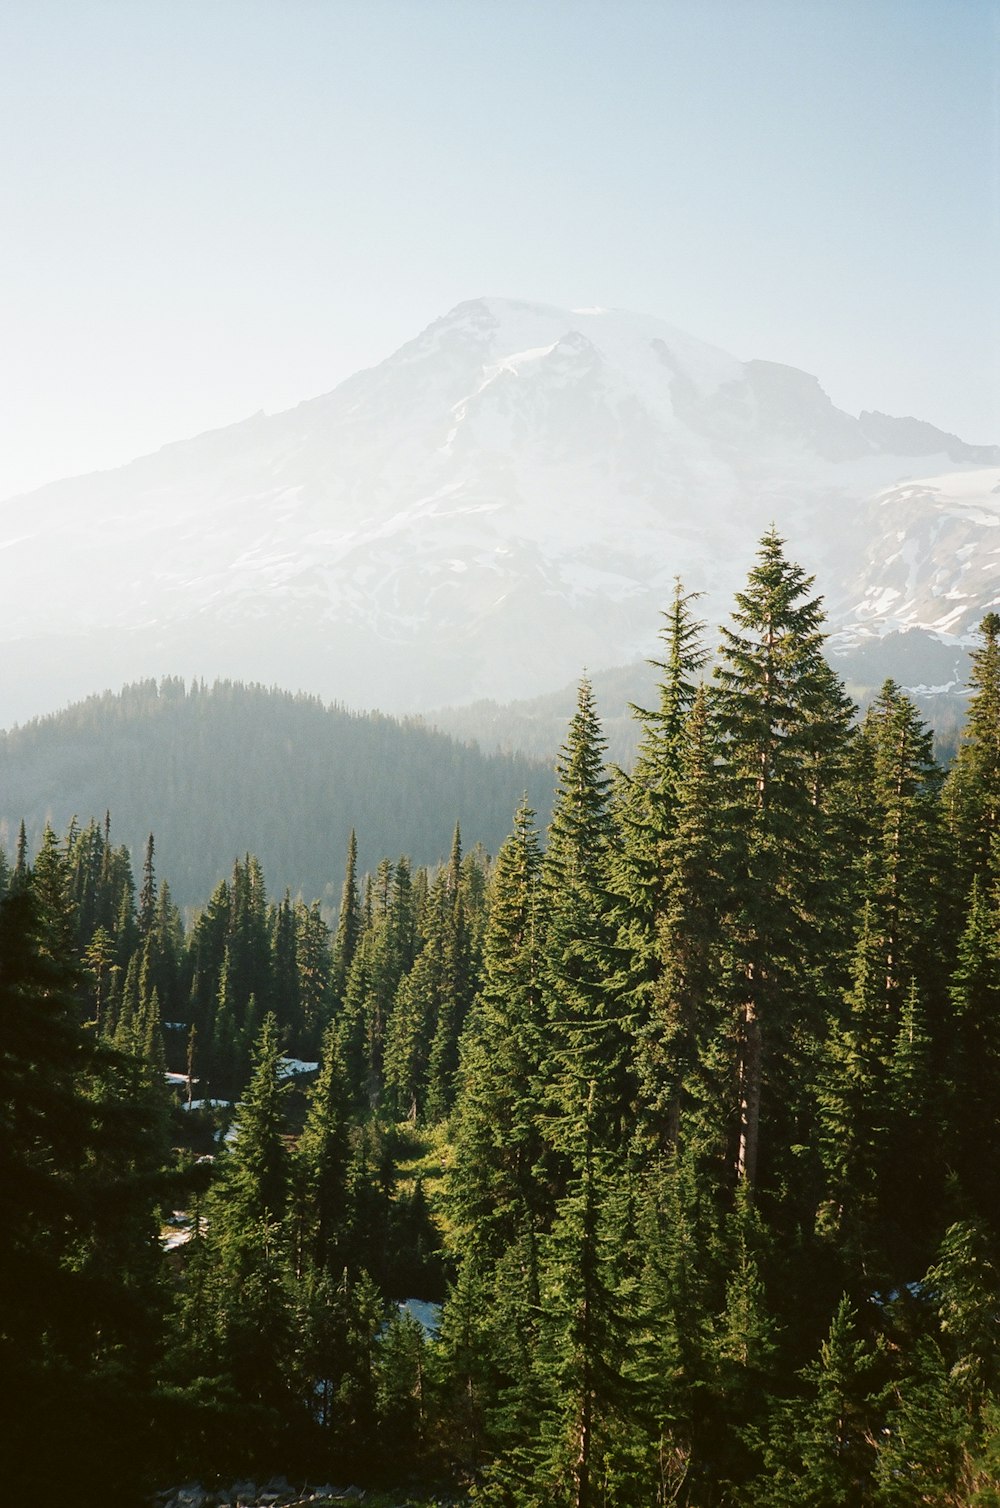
point(276, 1493)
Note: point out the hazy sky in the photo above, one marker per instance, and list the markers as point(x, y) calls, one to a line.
point(216, 206)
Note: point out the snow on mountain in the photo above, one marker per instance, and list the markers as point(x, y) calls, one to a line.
point(934, 554)
point(502, 502)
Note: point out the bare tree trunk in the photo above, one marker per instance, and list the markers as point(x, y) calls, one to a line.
point(749, 1091)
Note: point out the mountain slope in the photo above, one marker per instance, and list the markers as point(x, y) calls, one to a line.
point(217, 771)
point(501, 503)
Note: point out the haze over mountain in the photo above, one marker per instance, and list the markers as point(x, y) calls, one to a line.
point(500, 503)
point(215, 771)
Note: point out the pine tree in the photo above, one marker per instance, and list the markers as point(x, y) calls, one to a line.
point(248, 1273)
point(819, 1449)
point(783, 718)
point(684, 1088)
point(349, 924)
point(457, 988)
point(256, 1182)
point(147, 895)
point(417, 1008)
point(583, 1349)
point(313, 965)
point(902, 867)
point(646, 800)
point(384, 954)
point(854, 1098)
point(497, 1187)
point(973, 1057)
point(926, 1436)
point(972, 793)
point(80, 1306)
point(322, 1157)
point(284, 972)
point(589, 1053)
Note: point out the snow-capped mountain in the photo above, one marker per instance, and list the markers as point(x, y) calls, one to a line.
point(499, 504)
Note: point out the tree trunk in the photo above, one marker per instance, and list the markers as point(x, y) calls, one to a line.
point(749, 1090)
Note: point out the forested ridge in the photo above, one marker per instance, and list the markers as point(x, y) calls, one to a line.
point(687, 1114)
point(217, 770)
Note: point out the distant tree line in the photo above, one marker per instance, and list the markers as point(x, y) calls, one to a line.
point(218, 770)
point(688, 1114)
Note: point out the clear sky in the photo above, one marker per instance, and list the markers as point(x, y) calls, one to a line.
point(212, 207)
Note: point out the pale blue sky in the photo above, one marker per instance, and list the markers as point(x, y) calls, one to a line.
point(216, 206)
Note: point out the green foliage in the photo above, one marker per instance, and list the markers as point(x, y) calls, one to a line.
point(639, 1105)
point(214, 770)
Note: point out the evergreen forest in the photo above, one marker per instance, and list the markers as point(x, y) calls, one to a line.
point(218, 770)
point(681, 1115)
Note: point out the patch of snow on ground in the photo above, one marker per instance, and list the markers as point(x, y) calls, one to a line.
point(291, 1068)
point(426, 1314)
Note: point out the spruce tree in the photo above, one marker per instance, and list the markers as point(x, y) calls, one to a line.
point(902, 867)
point(972, 1063)
point(458, 985)
point(321, 1162)
point(589, 1049)
point(81, 1310)
point(783, 720)
point(972, 792)
point(682, 1063)
point(497, 1187)
point(247, 1246)
point(646, 800)
point(349, 924)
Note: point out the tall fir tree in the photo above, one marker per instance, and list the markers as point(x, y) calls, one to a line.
point(972, 793)
point(784, 720)
point(646, 798)
point(349, 923)
point(589, 1056)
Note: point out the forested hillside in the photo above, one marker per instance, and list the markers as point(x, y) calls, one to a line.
point(536, 726)
point(216, 771)
point(685, 1111)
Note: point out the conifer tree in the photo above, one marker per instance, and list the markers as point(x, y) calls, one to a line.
point(322, 1157)
point(925, 1442)
point(349, 924)
point(683, 1075)
point(583, 1345)
point(420, 999)
point(284, 971)
point(902, 866)
point(80, 1306)
point(973, 1056)
point(256, 1183)
point(21, 865)
point(589, 1053)
point(784, 720)
point(314, 974)
point(147, 895)
point(646, 799)
point(819, 1449)
point(246, 1244)
point(972, 793)
point(500, 1193)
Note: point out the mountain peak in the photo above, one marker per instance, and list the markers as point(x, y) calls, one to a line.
point(502, 500)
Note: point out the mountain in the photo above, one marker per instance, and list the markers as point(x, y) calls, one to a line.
point(502, 502)
point(216, 771)
point(537, 725)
